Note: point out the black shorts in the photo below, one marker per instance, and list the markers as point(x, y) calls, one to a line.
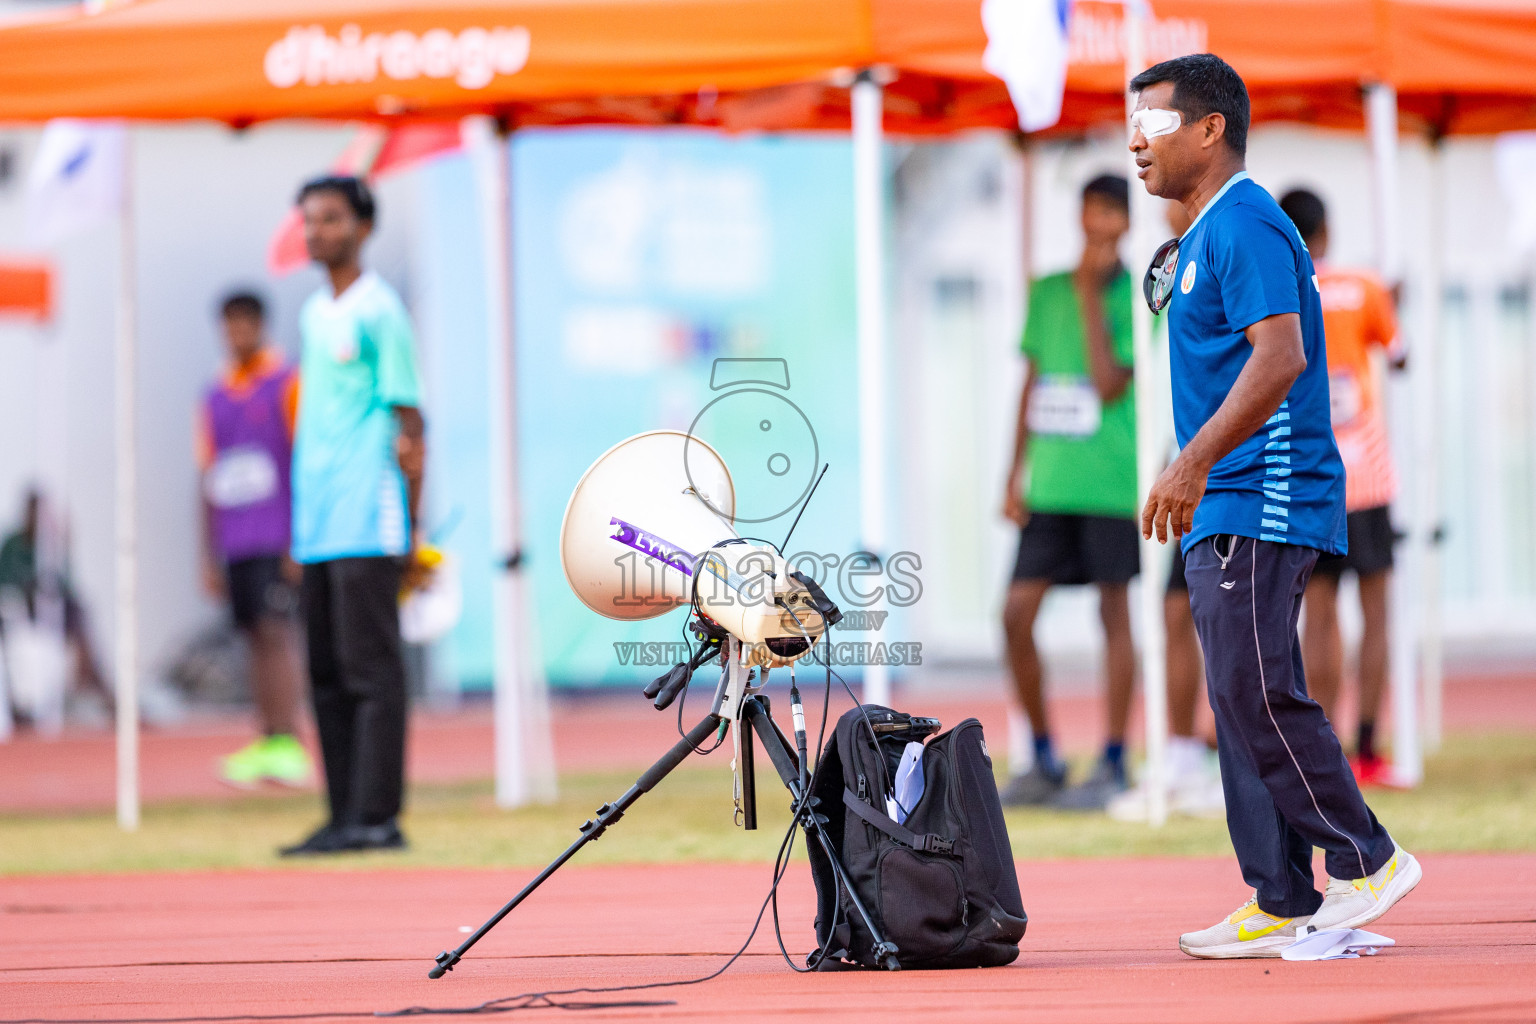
point(1370, 545)
point(1069, 549)
point(257, 590)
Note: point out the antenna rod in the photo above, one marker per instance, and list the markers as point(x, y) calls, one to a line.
point(825, 466)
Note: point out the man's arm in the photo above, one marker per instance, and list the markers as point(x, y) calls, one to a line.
point(1110, 379)
point(411, 452)
point(1014, 507)
point(1277, 360)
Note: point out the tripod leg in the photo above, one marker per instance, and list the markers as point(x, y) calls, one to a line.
point(776, 744)
point(747, 773)
point(593, 828)
point(755, 713)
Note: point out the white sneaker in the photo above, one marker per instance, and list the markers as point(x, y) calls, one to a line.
point(1196, 794)
point(1353, 903)
point(1248, 932)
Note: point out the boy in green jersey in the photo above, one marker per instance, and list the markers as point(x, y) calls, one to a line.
point(1072, 485)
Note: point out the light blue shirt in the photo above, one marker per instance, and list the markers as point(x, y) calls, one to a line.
point(358, 362)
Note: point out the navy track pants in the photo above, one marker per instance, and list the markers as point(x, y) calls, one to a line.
point(1288, 787)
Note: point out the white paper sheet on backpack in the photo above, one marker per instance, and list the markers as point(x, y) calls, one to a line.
point(909, 783)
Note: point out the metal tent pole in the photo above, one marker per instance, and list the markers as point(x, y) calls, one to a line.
point(1381, 128)
point(1426, 402)
point(524, 752)
point(1149, 462)
point(1021, 749)
point(868, 103)
point(127, 612)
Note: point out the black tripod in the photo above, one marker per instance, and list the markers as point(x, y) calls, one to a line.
point(755, 717)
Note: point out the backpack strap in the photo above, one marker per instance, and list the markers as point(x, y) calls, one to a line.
point(927, 842)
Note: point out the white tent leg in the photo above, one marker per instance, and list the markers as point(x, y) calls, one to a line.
point(1425, 363)
point(127, 611)
point(1150, 452)
point(1021, 747)
point(869, 275)
point(524, 752)
point(1381, 127)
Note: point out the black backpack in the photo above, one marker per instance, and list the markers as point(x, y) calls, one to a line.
point(941, 886)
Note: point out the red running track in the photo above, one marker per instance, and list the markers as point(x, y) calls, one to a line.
point(1101, 947)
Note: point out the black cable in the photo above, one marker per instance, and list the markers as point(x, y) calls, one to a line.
point(887, 785)
point(682, 698)
point(530, 1000)
point(810, 787)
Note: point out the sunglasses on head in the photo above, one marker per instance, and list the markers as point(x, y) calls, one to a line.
point(1157, 286)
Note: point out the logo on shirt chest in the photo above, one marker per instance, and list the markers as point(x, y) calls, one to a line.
point(344, 348)
point(1188, 280)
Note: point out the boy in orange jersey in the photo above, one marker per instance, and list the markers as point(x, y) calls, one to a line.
point(1357, 317)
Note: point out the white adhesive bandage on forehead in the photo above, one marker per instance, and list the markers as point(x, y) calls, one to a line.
point(1154, 121)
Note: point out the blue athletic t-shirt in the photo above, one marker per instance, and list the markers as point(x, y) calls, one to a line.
point(1240, 262)
point(359, 362)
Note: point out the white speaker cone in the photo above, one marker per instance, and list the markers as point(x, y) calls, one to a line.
point(635, 525)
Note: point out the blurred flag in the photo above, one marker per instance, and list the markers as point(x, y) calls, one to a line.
point(26, 289)
point(373, 153)
point(77, 178)
point(1027, 49)
point(410, 145)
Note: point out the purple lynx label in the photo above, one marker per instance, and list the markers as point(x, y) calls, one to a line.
point(647, 543)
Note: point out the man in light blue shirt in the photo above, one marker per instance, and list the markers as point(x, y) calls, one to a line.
point(358, 458)
point(1256, 492)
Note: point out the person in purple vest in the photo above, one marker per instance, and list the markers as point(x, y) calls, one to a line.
point(245, 433)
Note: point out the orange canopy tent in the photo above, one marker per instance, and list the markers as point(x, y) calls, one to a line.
point(1462, 66)
point(529, 61)
point(1458, 65)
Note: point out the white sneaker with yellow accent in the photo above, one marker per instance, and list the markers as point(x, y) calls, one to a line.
point(1246, 932)
point(1354, 903)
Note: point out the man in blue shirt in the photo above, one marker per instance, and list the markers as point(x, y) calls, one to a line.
point(358, 457)
point(1256, 493)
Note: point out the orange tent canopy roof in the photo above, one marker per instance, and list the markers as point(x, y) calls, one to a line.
point(1459, 65)
point(241, 61)
point(1463, 65)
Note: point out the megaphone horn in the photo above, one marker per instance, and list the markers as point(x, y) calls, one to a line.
point(648, 528)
